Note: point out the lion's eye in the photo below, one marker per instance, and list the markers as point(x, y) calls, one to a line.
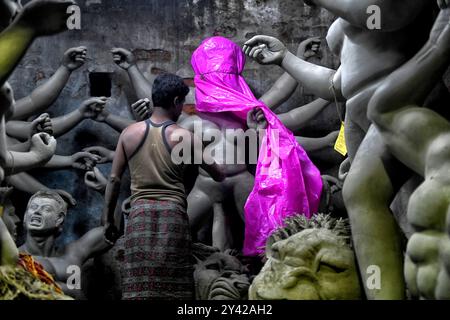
point(213, 266)
point(326, 266)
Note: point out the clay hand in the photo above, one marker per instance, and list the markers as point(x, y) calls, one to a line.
point(444, 4)
point(74, 58)
point(123, 58)
point(440, 33)
point(67, 197)
point(84, 160)
point(6, 101)
point(309, 48)
point(142, 109)
point(256, 119)
point(44, 145)
point(104, 155)
point(93, 108)
point(265, 50)
point(94, 179)
point(45, 17)
point(43, 123)
point(111, 233)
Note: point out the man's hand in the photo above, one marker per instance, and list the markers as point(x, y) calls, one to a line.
point(102, 153)
point(43, 123)
point(44, 145)
point(265, 50)
point(74, 58)
point(111, 233)
point(123, 58)
point(142, 109)
point(256, 119)
point(45, 17)
point(93, 107)
point(84, 160)
point(309, 48)
point(94, 179)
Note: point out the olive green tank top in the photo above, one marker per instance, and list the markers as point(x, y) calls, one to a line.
point(154, 176)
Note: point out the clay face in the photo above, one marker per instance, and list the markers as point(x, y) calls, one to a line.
point(221, 277)
point(42, 216)
point(314, 264)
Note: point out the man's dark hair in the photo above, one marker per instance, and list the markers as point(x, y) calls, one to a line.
point(166, 88)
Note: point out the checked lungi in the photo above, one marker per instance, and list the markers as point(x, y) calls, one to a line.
point(158, 256)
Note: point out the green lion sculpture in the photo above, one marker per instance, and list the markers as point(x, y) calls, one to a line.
point(309, 260)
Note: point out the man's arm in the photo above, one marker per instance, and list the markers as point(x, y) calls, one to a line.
point(394, 14)
point(38, 18)
point(285, 86)
point(45, 95)
point(113, 191)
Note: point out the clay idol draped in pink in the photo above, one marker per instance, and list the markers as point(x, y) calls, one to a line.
point(286, 181)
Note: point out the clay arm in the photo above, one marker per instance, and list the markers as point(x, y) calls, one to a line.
point(80, 160)
point(45, 95)
point(299, 117)
point(316, 79)
point(42, 148)
point(141, 109)
point(285, 86)
point(38, 18)
point(88, 110)
point(9, 254)
point(408, 130)
point(116, 122)
point(126, 60)
point(90, 245)
point(26, 183)
point(316, 144)
point(394, 14)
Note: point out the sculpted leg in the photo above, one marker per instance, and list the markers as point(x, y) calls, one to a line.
point(199, 204)
point(368, 192)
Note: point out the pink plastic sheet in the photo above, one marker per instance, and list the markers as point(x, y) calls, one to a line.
point(286, 180)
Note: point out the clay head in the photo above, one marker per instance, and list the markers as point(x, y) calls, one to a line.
point(316, 263)
point(169, 92)
point(9, 9)
point(45, 213)
point(221, 276)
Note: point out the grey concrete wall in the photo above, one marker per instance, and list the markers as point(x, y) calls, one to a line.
point(163, 34)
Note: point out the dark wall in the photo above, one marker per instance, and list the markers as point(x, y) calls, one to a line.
point(163, 34)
